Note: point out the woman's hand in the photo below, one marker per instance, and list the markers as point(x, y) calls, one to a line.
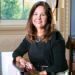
point(20, 62)
point(29, 66)
point(43, 73)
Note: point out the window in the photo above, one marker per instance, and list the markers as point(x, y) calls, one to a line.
point(15, 12)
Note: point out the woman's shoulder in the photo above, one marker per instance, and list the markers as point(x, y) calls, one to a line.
point(56, 35)
point(25, 40)
point(57, 38)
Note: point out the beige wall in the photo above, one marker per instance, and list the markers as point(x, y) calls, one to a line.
point(10, 39)
point(10, 42)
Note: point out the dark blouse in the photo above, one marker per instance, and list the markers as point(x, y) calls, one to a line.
point(48, 56)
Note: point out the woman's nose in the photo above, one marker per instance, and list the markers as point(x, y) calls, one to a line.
point(39, 16)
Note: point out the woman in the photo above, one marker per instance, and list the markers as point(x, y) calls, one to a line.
point(44, 44)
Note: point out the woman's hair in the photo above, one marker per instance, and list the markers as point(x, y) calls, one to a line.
point(31, 31)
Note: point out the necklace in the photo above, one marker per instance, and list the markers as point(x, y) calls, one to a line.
point(38, 39)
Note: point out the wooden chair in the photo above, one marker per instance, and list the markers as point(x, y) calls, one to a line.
point(71, 46)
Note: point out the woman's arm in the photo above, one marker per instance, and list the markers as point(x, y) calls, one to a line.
point(18, 59)
point(22, 49)
point(59, 59)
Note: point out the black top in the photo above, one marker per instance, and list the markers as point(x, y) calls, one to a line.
point(50, 54)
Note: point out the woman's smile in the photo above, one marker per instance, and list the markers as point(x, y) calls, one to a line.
point(39, 18)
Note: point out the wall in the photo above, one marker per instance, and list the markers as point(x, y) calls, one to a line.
point(10, 40)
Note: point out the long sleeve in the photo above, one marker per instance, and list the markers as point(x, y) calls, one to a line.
point(58, 57)
point(22, 48)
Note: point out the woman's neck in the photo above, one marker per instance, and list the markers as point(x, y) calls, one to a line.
point(40, 32)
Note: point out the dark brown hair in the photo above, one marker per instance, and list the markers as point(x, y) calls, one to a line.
point(31, 30)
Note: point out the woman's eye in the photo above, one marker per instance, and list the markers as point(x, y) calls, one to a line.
point(43, 14)
point(35, 14)
point(39, 14)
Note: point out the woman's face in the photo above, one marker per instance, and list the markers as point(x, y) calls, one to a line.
point(39, 17)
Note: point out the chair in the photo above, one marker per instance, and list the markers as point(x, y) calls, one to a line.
point(6, 66)
point(71, 46)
